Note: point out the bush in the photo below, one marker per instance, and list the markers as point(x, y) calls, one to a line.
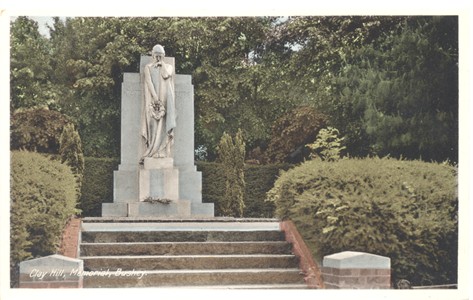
point(70, 150)
point(37, 129)
point(259, 180)
point(213, 184)
point(97, 185)
point(405, 210)
point(231, 153)
point(43, 197)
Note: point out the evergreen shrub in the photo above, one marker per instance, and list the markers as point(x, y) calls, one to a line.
point(405, 210)
point(259, 180)
point(231, 153)
point(97, 184)
point(43, 197)
point(70, 150)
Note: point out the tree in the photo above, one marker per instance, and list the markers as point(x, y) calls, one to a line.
point(37, 129)
point(30, 66)
point(248, 72)
point(231, 153)
point(291, 132)
point(405, 91)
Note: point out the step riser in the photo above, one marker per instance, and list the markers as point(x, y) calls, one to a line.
point(179, 263)
point(186, 249)
point(193, 279)
point(179, 236)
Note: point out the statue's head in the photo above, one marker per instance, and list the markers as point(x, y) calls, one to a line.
point(158, 50)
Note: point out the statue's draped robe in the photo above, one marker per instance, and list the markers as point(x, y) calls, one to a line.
point(157, 127)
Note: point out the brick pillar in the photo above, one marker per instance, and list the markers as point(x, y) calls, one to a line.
point(356, 270)
point(54, 271)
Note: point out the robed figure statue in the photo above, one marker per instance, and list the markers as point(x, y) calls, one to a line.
point(159, 110)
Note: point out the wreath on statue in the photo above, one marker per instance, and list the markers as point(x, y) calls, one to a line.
point(157, 110)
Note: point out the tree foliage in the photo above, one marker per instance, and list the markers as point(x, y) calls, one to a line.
point(327, 145)
point(37, 129)
point(389, 84)
point(291, 132)
point(30, 66)
point(231, 154)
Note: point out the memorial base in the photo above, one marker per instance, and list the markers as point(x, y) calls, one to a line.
point(179, 209)
point(144, 191)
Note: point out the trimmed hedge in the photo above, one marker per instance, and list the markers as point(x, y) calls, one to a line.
point(405, 210)
point(259, 180)
point(43, 197)
point(97, 186)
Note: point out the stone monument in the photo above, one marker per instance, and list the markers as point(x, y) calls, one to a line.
point(157, 175)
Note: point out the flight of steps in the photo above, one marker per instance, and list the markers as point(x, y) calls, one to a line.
point(225, 253)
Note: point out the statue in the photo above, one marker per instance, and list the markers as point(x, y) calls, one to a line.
point(159, 110)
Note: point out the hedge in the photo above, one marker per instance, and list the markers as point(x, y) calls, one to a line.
point(405, 210)
point(98, 186)
point(43, 197)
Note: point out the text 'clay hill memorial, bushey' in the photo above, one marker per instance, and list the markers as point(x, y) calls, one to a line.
point(157, 176)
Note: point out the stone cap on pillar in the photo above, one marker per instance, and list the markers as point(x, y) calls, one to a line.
point(356, 260)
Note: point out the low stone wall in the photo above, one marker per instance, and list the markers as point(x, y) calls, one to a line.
point(306, 262)
point(356, 270)
point(54, 271)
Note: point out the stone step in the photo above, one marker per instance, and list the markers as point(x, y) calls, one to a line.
point(247, 287)
point(185, 248)
point(188, 278)
point(192, 262)
point(176, 220)
point(180, 236)
point(154, 225)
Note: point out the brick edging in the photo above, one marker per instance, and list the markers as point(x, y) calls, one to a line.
point(313, 275)
point(70, 238)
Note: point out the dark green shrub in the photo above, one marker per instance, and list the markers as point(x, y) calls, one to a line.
point(70, 150)
point(213, 184)
point(259, 180)
point(231, 153)
point(405, 210)
point(37, 129)
point(97, 185)
point(43, 197)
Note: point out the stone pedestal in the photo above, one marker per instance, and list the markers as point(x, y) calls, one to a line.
point(53, 271)
point(356, 270)
point(175, 178)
